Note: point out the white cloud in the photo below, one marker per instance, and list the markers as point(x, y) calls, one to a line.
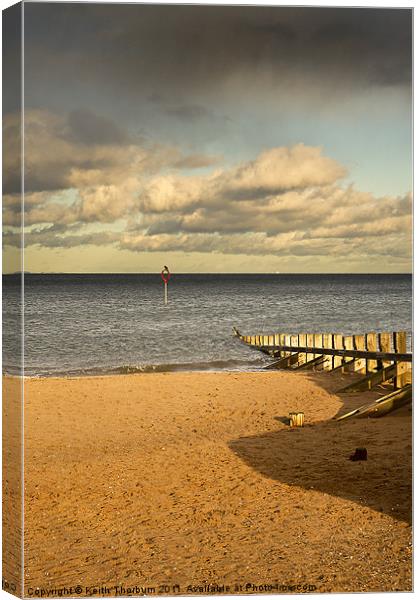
point(285, 202)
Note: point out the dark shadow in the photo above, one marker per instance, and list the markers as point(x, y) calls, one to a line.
point(316, 457)
point(283, 420)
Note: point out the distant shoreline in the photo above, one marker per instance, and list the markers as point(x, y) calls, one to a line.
point(155, 273)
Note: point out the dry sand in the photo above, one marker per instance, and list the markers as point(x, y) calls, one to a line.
point(192, 479)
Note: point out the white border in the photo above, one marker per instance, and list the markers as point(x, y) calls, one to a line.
point(358, 4)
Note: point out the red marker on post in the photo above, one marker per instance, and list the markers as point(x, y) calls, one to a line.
point(165, 275)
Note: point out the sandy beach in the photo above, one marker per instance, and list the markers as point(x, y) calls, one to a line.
point(171, 482)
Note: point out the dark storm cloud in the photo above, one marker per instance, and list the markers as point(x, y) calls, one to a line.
point(57, 145)
point(188, 112)
point(160, 50)
point(12, 56)
point(383, 40)
point(48, 170)
point(85, 127)
point(277, 31)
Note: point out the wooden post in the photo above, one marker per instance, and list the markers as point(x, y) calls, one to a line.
point(400, 345)
point(384, 340)
point(372, 345)
point(327, 343)
point(348, 344)
point(318, 343)
point(314, 363)
point(294, 340)
point(408, 374)
point(287, 341)
point(337, 341)
point(302, 341)
point(310, 342)
point(282, 341)
point(276, 339)
point(296, 419)
point(360, 364)
point(371, 380)
point(284, 363)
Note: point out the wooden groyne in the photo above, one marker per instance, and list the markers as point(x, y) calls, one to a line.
point(379, 357)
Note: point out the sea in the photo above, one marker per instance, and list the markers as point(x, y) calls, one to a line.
point(90, 324)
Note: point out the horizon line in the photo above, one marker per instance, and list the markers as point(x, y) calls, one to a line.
point(203, 273)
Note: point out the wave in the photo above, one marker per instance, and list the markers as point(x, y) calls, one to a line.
point(212, 365)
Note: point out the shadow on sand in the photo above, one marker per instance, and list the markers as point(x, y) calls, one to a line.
point(316, 457)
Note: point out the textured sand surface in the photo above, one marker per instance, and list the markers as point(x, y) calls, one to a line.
point(12, 486)
point(192, 479)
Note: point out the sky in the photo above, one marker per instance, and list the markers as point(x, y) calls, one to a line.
point(211, 139)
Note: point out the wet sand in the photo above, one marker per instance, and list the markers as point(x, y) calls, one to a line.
point(193, 479)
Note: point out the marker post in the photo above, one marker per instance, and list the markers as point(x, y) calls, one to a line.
point(165, 275)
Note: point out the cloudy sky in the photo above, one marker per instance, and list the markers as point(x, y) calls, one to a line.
point(213, 139)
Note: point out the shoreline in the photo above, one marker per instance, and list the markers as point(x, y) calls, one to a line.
point(193, 479)
point(247, 367)
point(130, 374)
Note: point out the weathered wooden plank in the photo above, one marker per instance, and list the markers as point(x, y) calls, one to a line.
point(302, 342)
point(337, 342)
point(296, 419)
point(276, 339)
point(359, 354)
point(284, 362)
point(302, 339)
point(360, 346)
point(348, 344)
point(310, 342)
point(282, 338)
point(384, 343)
point(400, 344)
point(287, 342)
point(371, 380)
point(388, 403)
point(372, 346)
point(370, 406)
point(359, 364)
point(267, 350)
point(345, 367)
point(294, 340)
point(311, 363)
point(408, 374)
point(327, 343)
point(318, 343)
